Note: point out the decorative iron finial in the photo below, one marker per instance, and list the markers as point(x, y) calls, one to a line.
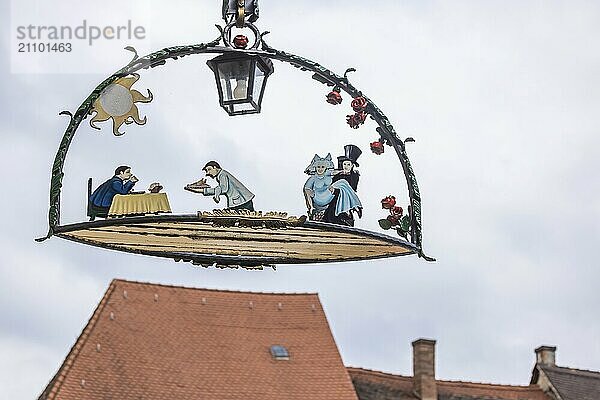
point(240, 11)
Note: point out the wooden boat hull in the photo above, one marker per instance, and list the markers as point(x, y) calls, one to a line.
point(205, 242)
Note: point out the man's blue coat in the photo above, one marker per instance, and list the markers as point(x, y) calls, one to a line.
point(103, 195)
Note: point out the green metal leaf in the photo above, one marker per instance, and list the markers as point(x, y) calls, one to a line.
point(405, 223)
point(385, 224)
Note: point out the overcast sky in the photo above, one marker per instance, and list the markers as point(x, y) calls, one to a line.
point(501, 97)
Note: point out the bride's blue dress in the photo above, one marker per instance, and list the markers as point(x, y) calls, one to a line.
point(337, 205)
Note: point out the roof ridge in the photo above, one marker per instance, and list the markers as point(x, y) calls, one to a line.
point(56, 382)
point(495, 385)
point(368, 370)
point(570, 369)
point(118, 280)
point(446, 382)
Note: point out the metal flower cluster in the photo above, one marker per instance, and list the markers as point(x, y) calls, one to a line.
point(396, 220)
point(359, 105)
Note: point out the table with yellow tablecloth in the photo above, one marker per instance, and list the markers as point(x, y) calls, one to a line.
point(139, 204)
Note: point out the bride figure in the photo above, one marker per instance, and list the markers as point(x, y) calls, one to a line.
point(319, 192)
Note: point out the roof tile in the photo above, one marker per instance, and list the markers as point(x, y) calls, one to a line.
point(573, 384)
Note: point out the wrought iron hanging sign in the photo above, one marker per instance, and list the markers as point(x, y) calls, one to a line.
point(123, 218)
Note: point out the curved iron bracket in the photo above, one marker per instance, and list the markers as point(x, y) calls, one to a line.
point(320, 73)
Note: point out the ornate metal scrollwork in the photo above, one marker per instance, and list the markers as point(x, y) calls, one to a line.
point(320, 73)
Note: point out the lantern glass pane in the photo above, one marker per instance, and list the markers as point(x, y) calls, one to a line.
point(234, 79)
point(259, 80)
point(242, 108)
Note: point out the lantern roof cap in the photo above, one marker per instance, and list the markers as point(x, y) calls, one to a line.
point(239, 55)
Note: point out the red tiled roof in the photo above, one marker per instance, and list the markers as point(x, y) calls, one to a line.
point(163, 342)
point(375, 385)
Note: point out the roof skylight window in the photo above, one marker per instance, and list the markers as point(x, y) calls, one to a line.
point(279, 352)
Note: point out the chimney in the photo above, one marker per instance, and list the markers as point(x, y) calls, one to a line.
point(424, 369)
point(546, 355)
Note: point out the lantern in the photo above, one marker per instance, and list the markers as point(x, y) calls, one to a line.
point(241, 80)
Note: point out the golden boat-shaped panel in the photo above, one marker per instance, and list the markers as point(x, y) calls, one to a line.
point(249, 240)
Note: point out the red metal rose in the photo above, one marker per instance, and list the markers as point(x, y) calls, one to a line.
point(334, 97)
point(240, 41)
point(377, 148)
point(361, 117)
point(397, 211)
point(388, 203)
point(394, 219)
point(359, 104)
point(356, 120)
point(351, 120)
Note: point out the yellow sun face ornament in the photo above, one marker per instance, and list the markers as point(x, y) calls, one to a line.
point(117, 102)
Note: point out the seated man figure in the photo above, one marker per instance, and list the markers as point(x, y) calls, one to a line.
point(102, 198)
